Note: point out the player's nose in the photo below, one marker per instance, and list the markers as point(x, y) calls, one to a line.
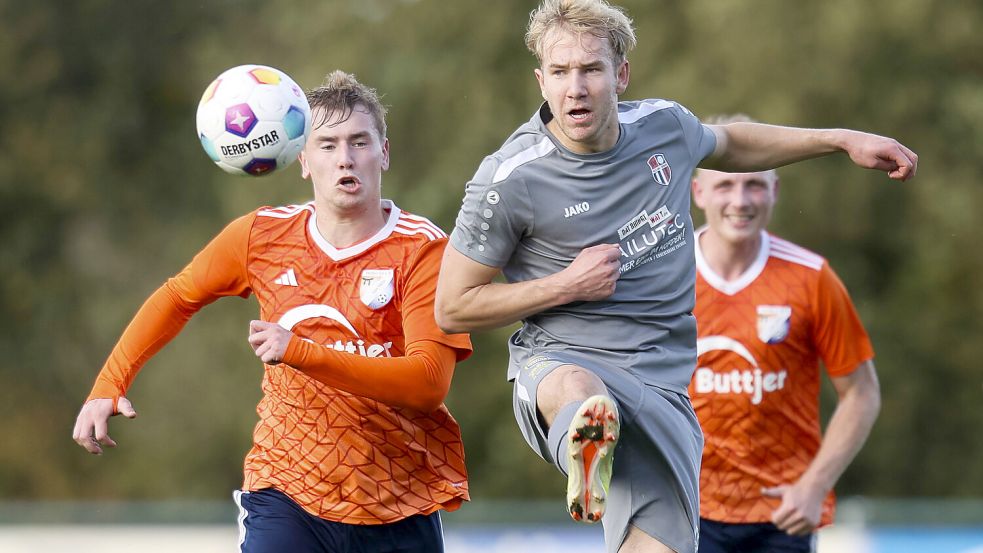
point(345, 158)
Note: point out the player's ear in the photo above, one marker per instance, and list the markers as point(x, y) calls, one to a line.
point(385, 154)
point(305, 173)
point(697, 192)
point(539, 79)
point(623, 73)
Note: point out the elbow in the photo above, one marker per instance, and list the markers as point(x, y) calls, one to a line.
point(447, 319)
point(874, 402)
point(427, 402)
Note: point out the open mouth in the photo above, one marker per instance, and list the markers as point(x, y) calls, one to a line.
point(579, 114)
point(348, 183)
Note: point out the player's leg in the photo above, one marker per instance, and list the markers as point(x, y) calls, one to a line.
point(653, 500)
point(566, 416)
point(637, 541)
point(563, 385)
point(270, 522)
point(580, 417)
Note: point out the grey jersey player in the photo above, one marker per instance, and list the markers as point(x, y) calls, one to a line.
point(585, 210)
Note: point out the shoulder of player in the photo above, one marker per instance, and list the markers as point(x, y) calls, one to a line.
point(779, 248)
point(416, 227)
point(644, 111)
point(285, 211)
point(526, 146)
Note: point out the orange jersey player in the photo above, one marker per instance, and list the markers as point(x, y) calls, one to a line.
point(353, 444)
point(767, 312)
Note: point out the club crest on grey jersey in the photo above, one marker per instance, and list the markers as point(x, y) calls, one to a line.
point(661, 171)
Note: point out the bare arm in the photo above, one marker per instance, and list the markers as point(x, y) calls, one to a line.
point(749, 147)
point(467, 299)
point(859, 402)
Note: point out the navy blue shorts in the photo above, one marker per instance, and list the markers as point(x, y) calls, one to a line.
point(764, 537)
point(270, 522)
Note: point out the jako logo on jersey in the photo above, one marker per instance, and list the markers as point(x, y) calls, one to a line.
point(752, 382)
point(773, 323)
point(576, 209)
point(301, 313)
point(661, 171)
point(376, 287)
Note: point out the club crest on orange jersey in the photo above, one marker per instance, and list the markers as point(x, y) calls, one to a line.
point(773, 323)
point(376, 287)
point(661, 171)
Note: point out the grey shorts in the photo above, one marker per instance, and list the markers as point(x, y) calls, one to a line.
point(655, 481)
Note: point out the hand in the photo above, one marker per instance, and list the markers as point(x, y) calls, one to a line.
point(92, 424)
point(800, 511)
point(593, 274)
point(881, 153)
point(269, 341)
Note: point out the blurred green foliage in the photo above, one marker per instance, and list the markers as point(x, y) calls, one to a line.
point(105, 192)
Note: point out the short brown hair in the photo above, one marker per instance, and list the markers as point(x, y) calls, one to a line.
point(596, 17)
point(340, 94)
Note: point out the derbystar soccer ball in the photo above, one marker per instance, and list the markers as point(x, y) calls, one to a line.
point(253, 120)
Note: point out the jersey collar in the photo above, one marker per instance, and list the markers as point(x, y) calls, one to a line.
point(732, 287)
point(351, 251)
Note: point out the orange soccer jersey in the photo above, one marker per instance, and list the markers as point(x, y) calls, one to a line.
point(340, 456)
point(756, 386)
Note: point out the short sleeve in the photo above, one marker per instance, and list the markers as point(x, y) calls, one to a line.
point(840, 337)
point(699, 139)
point(494, 217)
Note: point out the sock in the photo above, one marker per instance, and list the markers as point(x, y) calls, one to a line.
point(557, 436)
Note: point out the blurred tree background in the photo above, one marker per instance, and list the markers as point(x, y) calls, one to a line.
point(105, 192)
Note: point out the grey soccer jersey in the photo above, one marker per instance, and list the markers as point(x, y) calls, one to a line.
point(534, 205)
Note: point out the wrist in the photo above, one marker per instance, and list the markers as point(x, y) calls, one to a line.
point(555, 291)
point(815, 483)
point(834, 140)
point(292, 355)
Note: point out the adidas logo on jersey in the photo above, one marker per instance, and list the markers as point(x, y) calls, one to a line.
point(288, 278)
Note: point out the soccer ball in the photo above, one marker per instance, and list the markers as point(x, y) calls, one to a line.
point(253, 120)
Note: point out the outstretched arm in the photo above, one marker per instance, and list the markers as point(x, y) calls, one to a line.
point(419, 380)
point(748, 147)
point(857, 407)
point(468, 300)
point(215, 272)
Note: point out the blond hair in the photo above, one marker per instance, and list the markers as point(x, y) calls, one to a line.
point(596, 17)
point(340, 94)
